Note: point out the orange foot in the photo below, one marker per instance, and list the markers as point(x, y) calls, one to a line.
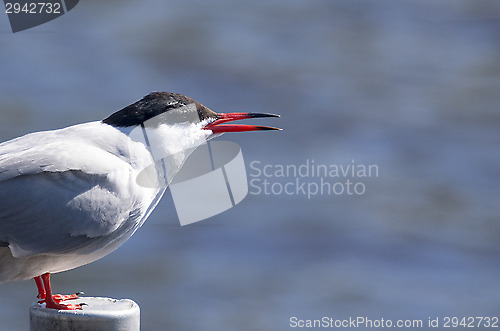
point(54, 301)
point(58, 298)
point(62, 297)
point(60, 306)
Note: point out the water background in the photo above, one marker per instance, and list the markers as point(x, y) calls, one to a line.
point(411, 86)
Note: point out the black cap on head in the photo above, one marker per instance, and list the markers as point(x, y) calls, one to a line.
point(152, 105)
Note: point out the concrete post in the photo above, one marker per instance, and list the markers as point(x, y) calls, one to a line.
point(100, 314)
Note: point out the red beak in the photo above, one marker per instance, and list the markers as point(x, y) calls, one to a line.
point(216, 126)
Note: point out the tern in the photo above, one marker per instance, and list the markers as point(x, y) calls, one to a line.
point(70, 196)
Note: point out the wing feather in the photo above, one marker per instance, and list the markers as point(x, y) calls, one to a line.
point(62, 196)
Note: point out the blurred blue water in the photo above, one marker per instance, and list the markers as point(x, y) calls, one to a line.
point(410, 86)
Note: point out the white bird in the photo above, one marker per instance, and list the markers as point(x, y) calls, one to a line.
point(69, 197)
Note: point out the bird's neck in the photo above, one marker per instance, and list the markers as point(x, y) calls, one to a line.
point(168, 145)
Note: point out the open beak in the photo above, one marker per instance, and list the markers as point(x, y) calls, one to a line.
point(216, 126)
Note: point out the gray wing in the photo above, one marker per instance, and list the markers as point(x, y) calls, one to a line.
point(60, 212)
point(56, 196)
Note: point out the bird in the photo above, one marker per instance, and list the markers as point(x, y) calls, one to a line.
point(70, 196)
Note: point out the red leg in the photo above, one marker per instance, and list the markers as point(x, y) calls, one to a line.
point(41, 288)
point(50, 301)
point(57, 297)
